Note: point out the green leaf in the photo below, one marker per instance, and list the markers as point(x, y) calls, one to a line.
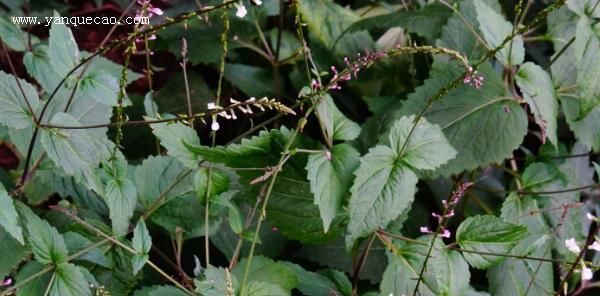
point(384, 186)
point(69, 281)
point(447, 273)
point(39, 67)
point(15, 38)
point(47, 244)
point(538, 91)
point(100, 86)
point(217, 282)
point(161, 291)
point(488, 234)
point(76, 243)
point(459, 36)
point(38, 284)
point(14, 112)
point(9, 216)
point(494, 124)
point(495, 29)
point(266, 289)
point(121, 196)
point(265, 270)
point(337, 126)
point(172, 136)
point(314, 284)
point(251, 80)
point(161, 177)
point(327, 20)
point(141, 243)
point(519, 276)
point(585, 127)
point(74, 150)
point(13, 252)
point(331, 179)
point(587, 55)
point(584, 7)
point(62, 48)
point(425, 149)
point(426, 22)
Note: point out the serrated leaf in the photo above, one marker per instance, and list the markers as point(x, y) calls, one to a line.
point(47, 244)
point(14, 37)
point(38, 284)
point(217, 282)
point(266, 289)
point(495, 29)
point(494, 124)
point(161, 291)
point(69, 281)
point(100, 86)
point(330, 180)
point(253, 81)
point(76, 243)
point(121, 196)
point(314, 284)
point(426, 22)
point(327, 20)
point(172, 136)
point(587, 56)
point(584, 7)
point(518, 276)
point(13, 252)
point(265, 270)
point(585, 128)
point(334, 122)
point(161, 177)
point(62, 48)
point(14, 112)
point(141, 243)
point(385, 184)
point(9, 216)
point(38, 65)
point(447, 273)
point(488, 234)
point(538, 91)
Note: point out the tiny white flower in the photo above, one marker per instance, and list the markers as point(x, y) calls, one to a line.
point(257, 2)
point(590, 216)
point(586, 273)
point(595, 246)
point(215, 126)
point(241, 10)
point(211, 106)
point(571, 244)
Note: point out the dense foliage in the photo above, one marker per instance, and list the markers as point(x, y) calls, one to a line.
point(300, 147)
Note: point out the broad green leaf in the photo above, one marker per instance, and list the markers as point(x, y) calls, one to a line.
point(73, 150)
point(495, 29)
point(9, 216)
point(172, 136)
point(217, 282)
point(161, 291)
point(538, 91)
point(161, 177)
point(447, 272)
point(457, 33)
point(266, 270)
point(47, 244)
point(39, 67)
point(518, 276)
point(266, 289)
point(314, 284)
point(585, 128)
point(120, 197)
point(141, 243)
point(100, 86)
point(385, 184)
point(381, 191)
point(327, 20)
point(330, 180)
point(337, 126)
point(69, 281)
point(562, 24)
point(494, 125)
point(76, 243)
point(182, 213)
point(587, 55)
point(13, 252)
point(62, 48)
point(251, 80)
point(14, 37)
point(426, 22)
point(425, 149)
point(584, 7)
point(14, 112)
point(488, 234)
point(38, 284)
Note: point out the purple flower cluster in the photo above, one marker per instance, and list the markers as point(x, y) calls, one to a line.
point(354, 67)
point(148, 10)
point(472, 78)
point(448, 210)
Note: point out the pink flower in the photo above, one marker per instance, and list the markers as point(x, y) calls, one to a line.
point(6, 282)
point(590, 216)
point(595, 246)
point(328, 155)
point(473, 79)
point(425, 229)
point(446, 233)
point(572, 246)
point(586, 273)
point(156, 10)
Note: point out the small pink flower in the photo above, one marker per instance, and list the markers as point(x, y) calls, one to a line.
point(6, 282)
point(595, 246)
point(572, 246)
point(586, 273)
point(274, 229)
point(425, 229)
point(445, 233)
point(328, 155)
point(156, 10)
point(590, 216)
